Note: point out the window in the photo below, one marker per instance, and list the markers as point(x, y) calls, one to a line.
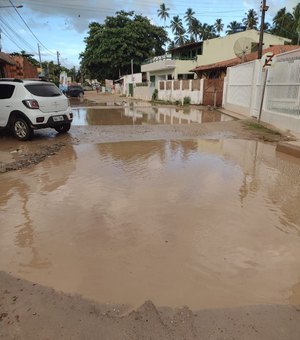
point(43, 90)
point(6, 91)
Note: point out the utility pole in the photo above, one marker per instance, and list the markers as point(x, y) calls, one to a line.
point(40, 59)
point(58, 63)
point(264, 8)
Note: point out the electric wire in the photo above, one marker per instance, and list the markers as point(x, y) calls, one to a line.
point(15, 34)
point(29, 28)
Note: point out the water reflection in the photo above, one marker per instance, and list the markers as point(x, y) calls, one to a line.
point(23, 215)
point(132, 115)
point(196, 222)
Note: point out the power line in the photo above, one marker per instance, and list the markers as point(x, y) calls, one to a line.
point(29, 28)
point(13, 33)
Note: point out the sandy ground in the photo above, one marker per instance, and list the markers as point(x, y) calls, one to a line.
point(31, 311)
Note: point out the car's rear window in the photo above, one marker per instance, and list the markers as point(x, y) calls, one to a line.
point(6, 91)
point(43, 90)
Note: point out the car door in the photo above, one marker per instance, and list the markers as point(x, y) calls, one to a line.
point(6, 92)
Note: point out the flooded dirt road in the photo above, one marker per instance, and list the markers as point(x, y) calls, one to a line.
point(178, 208)
point(143, 115)
point(200, 223)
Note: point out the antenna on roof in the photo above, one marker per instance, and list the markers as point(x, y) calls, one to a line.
point(242, 47)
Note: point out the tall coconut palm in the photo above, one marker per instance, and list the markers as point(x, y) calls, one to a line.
point(219, 26)
point(207, 31)
point(189, 17)
point(232, 27)
point(163, 13)
point(296, 23)
point(176, 25)
point(194, 29)
point(251, 19)
point(180, 37)
point(171, 45)
point(281, 21)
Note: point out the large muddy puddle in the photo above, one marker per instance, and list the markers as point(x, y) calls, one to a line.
point(132, 115)
point(199, 223)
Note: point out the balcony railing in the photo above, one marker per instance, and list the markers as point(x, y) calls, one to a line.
point(165, 57)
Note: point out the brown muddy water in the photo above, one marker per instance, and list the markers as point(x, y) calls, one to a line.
point(136, 115)
point(198, 223)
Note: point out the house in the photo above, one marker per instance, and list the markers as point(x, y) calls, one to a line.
point(16, 67)
point(178, 62)
point(218, 69)
point(6, 61)
point(174, 65)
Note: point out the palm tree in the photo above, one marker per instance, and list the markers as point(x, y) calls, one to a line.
point(296, 23)
point(189, 18)
point(219, 26)
point(251, 19)
point(180, 37)
point(207, 31)
point(267, 27)
point(194, 29)
point(232, 27)
point(162, 13)
point(171, 45)
point(176, 25)
point(281, 21)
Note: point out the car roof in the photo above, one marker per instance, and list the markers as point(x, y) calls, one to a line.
point(24, 81)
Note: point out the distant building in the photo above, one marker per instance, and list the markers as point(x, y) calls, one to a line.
point(16, 67)
point(178, 62)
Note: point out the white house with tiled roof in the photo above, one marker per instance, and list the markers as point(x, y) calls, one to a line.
point(178, 62)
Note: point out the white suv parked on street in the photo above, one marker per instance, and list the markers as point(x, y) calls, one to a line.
point(26, 105)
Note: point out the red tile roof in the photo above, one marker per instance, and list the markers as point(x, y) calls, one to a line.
point(7, 58)
point(277, 49)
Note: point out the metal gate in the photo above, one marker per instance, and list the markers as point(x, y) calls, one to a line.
point(213, 92)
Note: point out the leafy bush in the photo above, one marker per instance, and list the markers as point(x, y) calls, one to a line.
point(155, 94)
point(186, 100)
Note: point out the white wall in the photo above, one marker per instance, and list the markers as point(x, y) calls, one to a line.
point(178, 95)
point(143, 92)
point(222, 48)
point(281, 105)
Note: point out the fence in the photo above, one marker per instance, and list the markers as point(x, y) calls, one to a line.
point(176, 90)
point(281, 104)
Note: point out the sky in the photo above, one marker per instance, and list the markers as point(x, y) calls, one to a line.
point(61, 25)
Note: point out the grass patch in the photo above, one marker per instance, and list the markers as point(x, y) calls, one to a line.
point(261, 129)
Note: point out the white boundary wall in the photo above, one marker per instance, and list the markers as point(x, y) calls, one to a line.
point(178, 95)
point(143, 92)
point(281, 106)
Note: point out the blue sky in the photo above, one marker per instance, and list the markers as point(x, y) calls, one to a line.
point(61, 25)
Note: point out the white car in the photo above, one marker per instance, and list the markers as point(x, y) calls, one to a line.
point(26, 105)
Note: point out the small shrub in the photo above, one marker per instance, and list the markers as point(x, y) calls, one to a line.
point(155, 94)
point(186, 100)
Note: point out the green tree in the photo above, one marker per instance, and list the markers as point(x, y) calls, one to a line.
point(251, 19)
point(176, 25)
point(194, 29)
point(207, 31)
point(219, 26)
point(189, 19)
point(233, 25)
point(163, 13)
point(287, 24)
point(180, 37)
point(111, 46)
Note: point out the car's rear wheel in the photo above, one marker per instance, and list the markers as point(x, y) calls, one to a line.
point(63, 128)
point(22, 129)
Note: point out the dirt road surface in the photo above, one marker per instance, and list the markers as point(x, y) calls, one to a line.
point(29, 310)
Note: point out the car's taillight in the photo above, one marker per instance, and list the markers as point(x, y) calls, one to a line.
point(31, 103)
